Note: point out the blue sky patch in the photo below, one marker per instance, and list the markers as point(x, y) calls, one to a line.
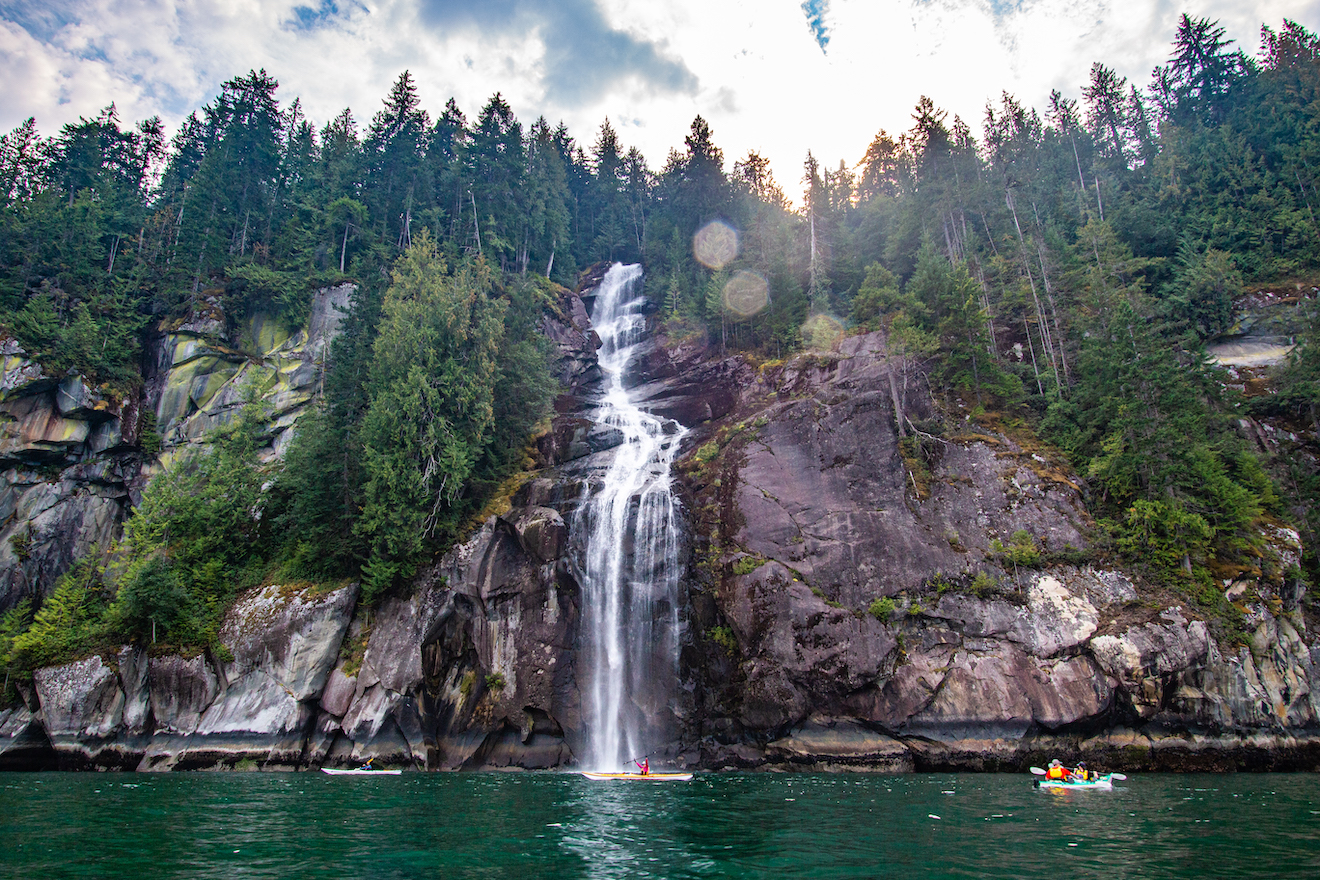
point(815, 11)
point(307, 18)
point(40, 19)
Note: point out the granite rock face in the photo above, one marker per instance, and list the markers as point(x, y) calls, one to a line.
point(173, 712)
point(842, 583)
point(71, 457)
point(474, 669)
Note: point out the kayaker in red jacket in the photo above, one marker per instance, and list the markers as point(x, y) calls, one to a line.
point(1058, 771)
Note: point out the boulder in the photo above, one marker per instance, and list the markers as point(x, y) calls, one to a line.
point(24, 744)
point(20, 376)
point(181, 689)
point(541, 532)
point(338, 693)
point(1056, 620)
point(1145, 659)
point(292, 636)
point(33, 430)
point(256, 705)
point(79, 700)
point(995, 691)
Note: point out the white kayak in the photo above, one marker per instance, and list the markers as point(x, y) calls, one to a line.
point(638, 777)
point(361, 772)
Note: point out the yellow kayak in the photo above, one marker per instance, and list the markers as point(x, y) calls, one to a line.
point(638, 777)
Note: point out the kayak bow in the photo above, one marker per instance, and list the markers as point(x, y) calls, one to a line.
point(361, 772)
point(638, 777)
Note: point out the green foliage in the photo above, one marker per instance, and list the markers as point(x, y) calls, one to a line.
point(955, 318)
point(1163, 535)
point(13, 623)
point(1203, 291)
point(431, 410)
point(495, 681)
point(724, 637)
point(353, 651)
point(882, 609)
point(254, 288)
point(914, 451)
point(747, 565)
point(1021, 551)
point(707, 451)
point(984, 585)
point(67, 626)
point(194, 541)
point(149, 439)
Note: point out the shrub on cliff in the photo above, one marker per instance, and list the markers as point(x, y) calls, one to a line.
point(68, 625)
point(194, 543)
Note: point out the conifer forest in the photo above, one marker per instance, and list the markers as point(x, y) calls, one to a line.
point(1057, 271)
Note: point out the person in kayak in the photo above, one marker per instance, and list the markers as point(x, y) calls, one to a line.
point(1080, 773)
point(367, 766)
point(1058, 771)
point(643, 766)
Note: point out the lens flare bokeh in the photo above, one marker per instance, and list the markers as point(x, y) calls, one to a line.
point(822, 332)
point(746, 293)
point(715, 244)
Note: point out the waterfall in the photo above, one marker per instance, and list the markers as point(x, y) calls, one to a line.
point(629, 568)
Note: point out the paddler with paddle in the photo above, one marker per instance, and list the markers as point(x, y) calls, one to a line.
point(643, 766)
point(1058, 771)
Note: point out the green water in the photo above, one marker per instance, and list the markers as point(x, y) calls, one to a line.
point(531, 825)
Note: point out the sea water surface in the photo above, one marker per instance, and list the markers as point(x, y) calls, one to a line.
point(559, 825)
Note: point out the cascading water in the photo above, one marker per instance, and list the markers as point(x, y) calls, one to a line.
point(630, 567)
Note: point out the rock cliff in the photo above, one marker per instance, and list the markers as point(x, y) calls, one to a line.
point(74, 458)
point(855, 599)
point(859, 599)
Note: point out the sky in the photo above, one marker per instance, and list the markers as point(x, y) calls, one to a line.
point(777, 76)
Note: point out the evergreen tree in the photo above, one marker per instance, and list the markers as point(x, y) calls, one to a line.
point(431, 389)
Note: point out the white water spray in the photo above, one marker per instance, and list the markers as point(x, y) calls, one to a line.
point(630, 568)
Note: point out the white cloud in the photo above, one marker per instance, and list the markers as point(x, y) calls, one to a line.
point(753, 68)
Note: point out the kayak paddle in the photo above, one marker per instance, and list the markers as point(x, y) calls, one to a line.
point(1036, 771)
